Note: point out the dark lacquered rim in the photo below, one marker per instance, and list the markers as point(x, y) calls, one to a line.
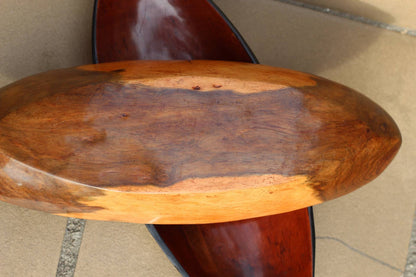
point(155, 234)
point(313, 238)
point(94, 33)
point(235, 31)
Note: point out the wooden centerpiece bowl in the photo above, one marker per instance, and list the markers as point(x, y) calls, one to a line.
point(186, 142)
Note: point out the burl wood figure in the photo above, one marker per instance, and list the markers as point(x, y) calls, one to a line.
point(186, 141)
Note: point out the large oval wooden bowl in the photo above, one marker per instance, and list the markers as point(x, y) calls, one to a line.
point(186, 141)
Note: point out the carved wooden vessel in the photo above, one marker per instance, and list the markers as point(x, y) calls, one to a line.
point(186, 141)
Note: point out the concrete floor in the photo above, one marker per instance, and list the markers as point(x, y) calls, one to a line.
point(365, 233)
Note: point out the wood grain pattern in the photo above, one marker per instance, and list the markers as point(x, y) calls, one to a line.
point(175, 154)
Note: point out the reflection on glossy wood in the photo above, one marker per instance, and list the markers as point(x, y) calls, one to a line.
point(109, 143)
point(253, 247)
point(164, 30)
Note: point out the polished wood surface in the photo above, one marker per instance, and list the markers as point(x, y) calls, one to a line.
point(136, 141)
point(277, 245)
point(164, 30)
point(204, 250)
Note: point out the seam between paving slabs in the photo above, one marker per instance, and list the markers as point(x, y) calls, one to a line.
point(70, 247)
point(361, 19)
point(410, 269)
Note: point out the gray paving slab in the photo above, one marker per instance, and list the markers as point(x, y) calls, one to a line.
point(30, 242)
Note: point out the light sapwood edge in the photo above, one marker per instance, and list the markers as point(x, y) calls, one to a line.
point(206, 75)
point(164, 208)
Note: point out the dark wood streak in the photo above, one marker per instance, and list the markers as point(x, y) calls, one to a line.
point(174, 138)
